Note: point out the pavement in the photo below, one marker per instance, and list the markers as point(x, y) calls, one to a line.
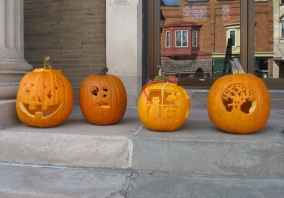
point(27, 181)
point(77, 159)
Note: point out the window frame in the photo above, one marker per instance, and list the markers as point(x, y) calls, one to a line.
point(234, 40)
point(194, 38)
point(282, 29)
point(168, 39)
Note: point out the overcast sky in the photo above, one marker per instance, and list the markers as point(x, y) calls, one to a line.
point(171, 2)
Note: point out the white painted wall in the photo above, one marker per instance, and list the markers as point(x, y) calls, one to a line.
point(124, 44)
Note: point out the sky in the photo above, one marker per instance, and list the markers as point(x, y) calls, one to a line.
point(172, 2)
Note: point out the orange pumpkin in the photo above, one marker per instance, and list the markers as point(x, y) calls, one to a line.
point(163, 106)
point(103, 98)
point(239, 103)
point(45, 97)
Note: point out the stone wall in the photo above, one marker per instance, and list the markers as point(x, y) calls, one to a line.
point(72, 33)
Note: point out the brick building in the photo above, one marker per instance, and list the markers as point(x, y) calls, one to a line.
point(216, 21)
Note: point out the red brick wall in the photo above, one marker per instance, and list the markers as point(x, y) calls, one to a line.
point(213, 31)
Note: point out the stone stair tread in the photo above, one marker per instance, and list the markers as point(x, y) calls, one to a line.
point(198, 148)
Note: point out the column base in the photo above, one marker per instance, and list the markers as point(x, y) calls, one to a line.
point(11, 73)
point(8, 116)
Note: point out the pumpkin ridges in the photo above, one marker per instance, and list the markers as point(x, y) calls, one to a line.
point(37, 96)
point(120, 103)
point(165, 119)
point(266, 100)
point(239, 122)
point(114, 97)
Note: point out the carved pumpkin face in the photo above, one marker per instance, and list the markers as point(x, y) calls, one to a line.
point(163, 106)
point(103, 99)
point(239, 103)
point(45, 98)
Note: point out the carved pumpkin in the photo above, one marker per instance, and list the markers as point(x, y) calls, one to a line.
point(103, 98)
point(45, 97)
point(239, 103)
point(163, 106)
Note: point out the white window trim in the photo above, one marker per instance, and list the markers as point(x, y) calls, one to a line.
point(181, 38)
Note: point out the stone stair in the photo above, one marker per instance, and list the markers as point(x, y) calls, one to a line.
point(197, 149)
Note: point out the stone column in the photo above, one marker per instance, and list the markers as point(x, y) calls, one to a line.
point(12, 63)
point(124, 44)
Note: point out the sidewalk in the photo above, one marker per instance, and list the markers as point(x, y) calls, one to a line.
point(18, 181)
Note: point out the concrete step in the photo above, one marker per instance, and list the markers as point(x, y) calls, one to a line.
point(30, 181)
point(196, 149)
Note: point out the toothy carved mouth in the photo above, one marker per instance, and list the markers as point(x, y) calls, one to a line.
point(39, 110)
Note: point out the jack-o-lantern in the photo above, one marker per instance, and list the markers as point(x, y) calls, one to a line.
point(239, 103)
point(103, 98)
point(163, 106)
point(45, 97)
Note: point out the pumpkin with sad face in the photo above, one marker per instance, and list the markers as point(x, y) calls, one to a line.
point(103, 98)
point(45, 97)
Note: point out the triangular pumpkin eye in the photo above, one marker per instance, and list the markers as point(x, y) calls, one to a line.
point(49, 95)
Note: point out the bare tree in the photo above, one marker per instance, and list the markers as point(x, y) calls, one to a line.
point(239, 93)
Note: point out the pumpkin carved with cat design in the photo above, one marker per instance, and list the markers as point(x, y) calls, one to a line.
point(163, 106)
point(45, 97)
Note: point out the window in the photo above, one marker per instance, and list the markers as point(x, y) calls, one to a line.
point(282, 29)
point(232, 34)
point(168, 39)
point(263, 67)
point(194, 13)
point(194, 38)
point(181, 38)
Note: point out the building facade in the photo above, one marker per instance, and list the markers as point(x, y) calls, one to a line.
point(207, 25)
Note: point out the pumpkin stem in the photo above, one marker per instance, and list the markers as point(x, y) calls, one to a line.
point(236, 66)
point(47, 63)
point(103, 71)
